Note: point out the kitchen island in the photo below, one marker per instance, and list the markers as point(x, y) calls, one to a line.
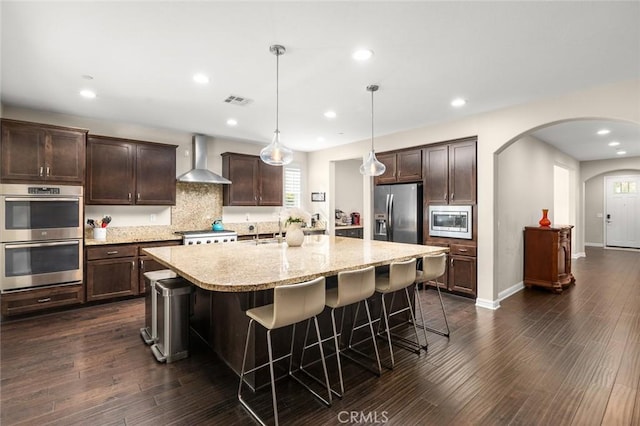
point(231, 278)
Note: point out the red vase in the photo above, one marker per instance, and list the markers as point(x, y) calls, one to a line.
point(545, 222)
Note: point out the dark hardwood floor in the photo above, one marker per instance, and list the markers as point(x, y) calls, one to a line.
point(541, 359)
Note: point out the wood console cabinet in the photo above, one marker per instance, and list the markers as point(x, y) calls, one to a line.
point(33, 152)
point(253, 183)
point(401, 167)
point(450, 173)
point(547, 257)
point(126, 172)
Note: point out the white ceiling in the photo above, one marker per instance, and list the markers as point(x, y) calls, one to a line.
point(142, 56)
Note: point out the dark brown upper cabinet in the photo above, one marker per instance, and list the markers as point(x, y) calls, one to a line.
point(127, 172)
point(41, 153)
point(450, 173)
point(401, 167)
point(254, 183)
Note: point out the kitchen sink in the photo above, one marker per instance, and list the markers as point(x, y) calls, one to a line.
point(261, 241)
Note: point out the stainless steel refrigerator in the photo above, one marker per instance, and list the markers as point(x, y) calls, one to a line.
point(397, 213)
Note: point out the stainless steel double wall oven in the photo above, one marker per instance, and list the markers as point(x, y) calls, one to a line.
point(41, 231)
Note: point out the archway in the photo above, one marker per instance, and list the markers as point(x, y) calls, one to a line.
point(524, 185)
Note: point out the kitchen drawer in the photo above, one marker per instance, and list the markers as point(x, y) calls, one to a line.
point(462, 250)
point(112, 251)
point(349, 232)
point(143, 246)
point(22, 302)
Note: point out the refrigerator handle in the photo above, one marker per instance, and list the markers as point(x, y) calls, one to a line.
point(390, 219)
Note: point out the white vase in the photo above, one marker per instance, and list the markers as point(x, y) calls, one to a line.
point(295, 235)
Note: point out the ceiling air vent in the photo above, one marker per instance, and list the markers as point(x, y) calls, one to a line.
point(237, 100)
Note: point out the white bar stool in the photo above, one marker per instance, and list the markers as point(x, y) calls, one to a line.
point(291, 304)
point(353, 287)
point(401, 276)
point(433, 267)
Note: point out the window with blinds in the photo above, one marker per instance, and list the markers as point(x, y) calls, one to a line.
point(292, 187)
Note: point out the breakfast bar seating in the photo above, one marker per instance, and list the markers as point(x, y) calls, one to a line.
point(233, 278)
point(292, 304)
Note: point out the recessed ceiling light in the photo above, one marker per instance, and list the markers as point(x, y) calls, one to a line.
point(232, 122)
point(458, 102)
point(201, 79)
point(89, 94)
point(320, 139)
point(621, 152)
point(614, 143)
point(330, 114)
point(362, 54)
point(604, 131)
point(87, 77)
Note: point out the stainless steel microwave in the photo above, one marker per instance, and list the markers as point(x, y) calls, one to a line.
point(451, 221)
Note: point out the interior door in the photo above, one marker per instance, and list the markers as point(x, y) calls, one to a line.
point(622, 211)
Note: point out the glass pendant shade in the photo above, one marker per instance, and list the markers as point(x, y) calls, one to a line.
point(371, 166)
point(275, 153)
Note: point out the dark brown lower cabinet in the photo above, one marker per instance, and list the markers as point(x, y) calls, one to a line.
point(22, 302)
point(111, 271)
point(461, 274)
point(147, 264)
point(349, 232)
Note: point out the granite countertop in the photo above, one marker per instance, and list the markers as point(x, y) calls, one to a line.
point(132, 234)
point(140, 234)
point(245, 266)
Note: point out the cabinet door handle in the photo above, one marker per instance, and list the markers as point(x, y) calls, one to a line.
point(452, 196)
point(133, 264)
point(138, 196)
point(463, 250)
point(445, 196)
point(129, 196)
point(113, 252)
point(44, 300)
point(452, 262)
point(48, 171)
point(261, 198)
point(142, 264)
point(41, 171)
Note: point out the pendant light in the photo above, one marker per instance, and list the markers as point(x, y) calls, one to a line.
point(372, 167)
point(275, 153)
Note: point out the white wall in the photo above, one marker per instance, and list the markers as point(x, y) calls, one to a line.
point(349, 186)
point(525, 187)
point(495, 131)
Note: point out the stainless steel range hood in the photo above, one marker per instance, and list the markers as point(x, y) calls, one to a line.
point(200, 173)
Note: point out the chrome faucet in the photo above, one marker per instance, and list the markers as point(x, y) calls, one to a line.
point(254, 227)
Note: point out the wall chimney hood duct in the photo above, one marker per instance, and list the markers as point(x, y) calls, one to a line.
point(200, 173)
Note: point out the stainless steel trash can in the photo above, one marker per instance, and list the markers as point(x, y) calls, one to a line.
point(173, 303)
point(149, 332)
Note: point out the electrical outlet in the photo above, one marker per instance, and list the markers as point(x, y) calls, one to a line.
point(186, 152)
point(152, 218)
point(599, 215)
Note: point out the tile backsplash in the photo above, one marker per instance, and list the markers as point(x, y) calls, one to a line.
point(197, 205)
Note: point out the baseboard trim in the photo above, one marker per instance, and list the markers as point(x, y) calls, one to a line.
point(510, 291)
point(579, 255)
point(594, 245)
point(487, 304)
